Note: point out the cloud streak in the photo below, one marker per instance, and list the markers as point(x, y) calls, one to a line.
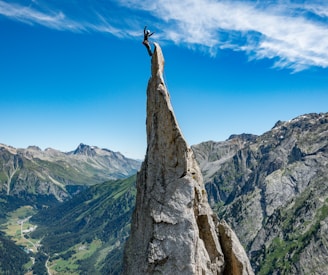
point(55, 20)
point(294, 36)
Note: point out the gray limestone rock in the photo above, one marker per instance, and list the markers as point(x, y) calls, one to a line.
point(174, 230)
point(236, 258)
point(273, 192)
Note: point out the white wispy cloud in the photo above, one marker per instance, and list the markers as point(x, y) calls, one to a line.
point(280, 30)
point(26, 14)
point(53, 18)
point(317, 8)
point(294, 36)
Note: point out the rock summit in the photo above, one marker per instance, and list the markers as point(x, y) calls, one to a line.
point(174, 230)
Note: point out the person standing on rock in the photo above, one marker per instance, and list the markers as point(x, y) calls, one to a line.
point(147, 34)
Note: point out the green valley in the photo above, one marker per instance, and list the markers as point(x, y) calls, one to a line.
point(272, 189)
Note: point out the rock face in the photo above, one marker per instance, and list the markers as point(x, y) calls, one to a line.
point(273, 191)
point(174, 230)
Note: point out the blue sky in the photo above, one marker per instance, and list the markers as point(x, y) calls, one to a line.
point(76, 71)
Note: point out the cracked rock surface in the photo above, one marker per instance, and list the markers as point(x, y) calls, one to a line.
point(174, 230)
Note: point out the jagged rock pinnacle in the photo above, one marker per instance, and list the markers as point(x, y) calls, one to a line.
point(174, 230)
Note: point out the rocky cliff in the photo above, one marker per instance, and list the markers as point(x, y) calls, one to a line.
point(174, 230)
point(273, 190)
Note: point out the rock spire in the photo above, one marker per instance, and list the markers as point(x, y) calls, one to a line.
point(174, 230)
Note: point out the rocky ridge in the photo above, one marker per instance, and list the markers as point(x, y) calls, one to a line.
point(273, 190)
point(174, 230)
point(32, 171)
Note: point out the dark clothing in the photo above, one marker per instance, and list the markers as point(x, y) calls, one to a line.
point(147, 34)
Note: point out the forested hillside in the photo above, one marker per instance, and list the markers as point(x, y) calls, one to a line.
point(87, 233)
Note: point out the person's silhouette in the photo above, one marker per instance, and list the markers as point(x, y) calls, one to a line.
point(147, 34)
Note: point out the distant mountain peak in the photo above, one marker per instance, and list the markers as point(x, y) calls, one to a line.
point(86, 150)
point(33, 168)
point(34, 147)
point(243, 136)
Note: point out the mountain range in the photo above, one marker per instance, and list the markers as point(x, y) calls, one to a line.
point(272, 189)
point(32, 171)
